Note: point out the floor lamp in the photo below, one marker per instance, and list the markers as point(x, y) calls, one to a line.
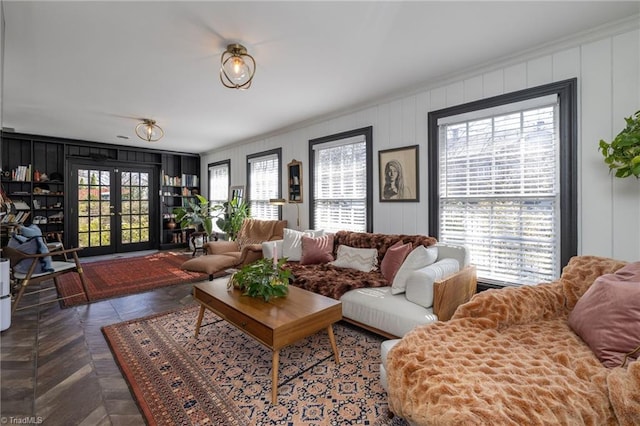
point(282, 202)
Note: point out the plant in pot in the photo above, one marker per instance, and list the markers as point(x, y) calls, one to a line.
point(263, 278)
point(623, 153)
point(195, 214)
point(231, 214)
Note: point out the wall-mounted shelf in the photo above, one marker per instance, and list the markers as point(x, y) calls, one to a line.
point(294, 185)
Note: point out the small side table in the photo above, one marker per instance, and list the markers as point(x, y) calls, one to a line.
point(201, 236)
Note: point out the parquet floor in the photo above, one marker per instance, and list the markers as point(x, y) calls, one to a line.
point(56, 367)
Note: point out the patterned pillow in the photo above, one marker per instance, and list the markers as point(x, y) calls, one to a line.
point(361, 259)
point(292, 242)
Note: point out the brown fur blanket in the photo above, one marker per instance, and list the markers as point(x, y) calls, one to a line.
point(332, 281)
point(509, 357)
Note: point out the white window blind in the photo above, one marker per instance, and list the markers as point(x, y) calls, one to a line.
point(263, 185)
point(218, 186)
point(499, 190)
point(340, 188)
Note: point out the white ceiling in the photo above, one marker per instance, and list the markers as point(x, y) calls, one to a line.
point(90, 70)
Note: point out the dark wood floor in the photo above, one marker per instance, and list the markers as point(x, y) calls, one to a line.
point(56, 366)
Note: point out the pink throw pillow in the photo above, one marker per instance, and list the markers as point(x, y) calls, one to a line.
point(393, 259)
point(317, 250)
point(607, 316)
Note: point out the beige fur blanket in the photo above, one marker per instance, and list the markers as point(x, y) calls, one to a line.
point(508, 357)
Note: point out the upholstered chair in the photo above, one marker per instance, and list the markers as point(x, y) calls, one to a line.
point(247, 248)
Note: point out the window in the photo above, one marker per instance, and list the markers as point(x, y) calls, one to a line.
point(341, 181)
point(502, 182)
point(264, 181)
point(219, 182)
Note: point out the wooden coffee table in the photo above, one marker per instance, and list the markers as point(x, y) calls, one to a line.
point(277, 323)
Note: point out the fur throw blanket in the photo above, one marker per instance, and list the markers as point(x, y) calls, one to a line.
point(509, 357)
point(333, 281)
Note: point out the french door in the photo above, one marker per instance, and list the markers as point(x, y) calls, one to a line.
point(112, 208)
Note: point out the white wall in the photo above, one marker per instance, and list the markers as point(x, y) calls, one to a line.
point(607, 65)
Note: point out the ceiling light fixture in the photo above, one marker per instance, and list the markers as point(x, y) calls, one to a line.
point(237, 67)
point(149, 131)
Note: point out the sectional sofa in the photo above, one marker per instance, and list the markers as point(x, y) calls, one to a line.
point(429, 283)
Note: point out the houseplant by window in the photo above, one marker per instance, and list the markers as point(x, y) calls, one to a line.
point(623, 153)
point(196, 214)
point(263, 278)
point(231, 214)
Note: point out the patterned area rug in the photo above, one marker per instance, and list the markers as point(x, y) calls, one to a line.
point(117, 277)
point(223, 377)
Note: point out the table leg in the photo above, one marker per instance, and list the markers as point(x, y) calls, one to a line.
point(332, 339)
point(274, 376)
point(199, 321)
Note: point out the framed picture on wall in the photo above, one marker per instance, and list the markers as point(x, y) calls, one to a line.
point(399, 178)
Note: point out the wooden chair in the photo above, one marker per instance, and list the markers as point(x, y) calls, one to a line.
point(30, 277)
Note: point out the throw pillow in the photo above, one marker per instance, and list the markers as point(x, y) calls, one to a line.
point(393, 259)
point(360, 259)
point(607, 316)
point(419, 257)
point(317, 250)
point(292, 242)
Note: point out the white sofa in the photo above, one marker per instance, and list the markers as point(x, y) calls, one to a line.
point(432, 293)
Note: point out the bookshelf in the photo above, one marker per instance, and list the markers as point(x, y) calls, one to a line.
point(180, 181)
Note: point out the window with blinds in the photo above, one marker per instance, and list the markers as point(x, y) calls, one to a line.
point(219, 181)
point(500, 188)
point(341, 184)
point(264, 184)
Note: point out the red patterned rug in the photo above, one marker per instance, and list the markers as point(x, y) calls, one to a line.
point(117, 277)
point(223, 377)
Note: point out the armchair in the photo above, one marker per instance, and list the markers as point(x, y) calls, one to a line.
point(247, 248)
point(33, 275)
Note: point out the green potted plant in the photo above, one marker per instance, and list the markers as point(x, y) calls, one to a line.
point(263, 278)
point(195, 214)
point(623, 153)
point(231, 214)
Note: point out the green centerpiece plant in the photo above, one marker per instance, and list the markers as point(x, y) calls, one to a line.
point(263, 278)
point(623, 153)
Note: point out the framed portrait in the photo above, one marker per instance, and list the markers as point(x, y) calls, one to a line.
point(399, 179)
point(236, 192)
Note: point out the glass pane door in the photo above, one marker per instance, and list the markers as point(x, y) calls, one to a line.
point(134, 208)
point(95, 209)
point(112, 209)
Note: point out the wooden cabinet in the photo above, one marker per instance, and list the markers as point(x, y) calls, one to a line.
point(294, 171)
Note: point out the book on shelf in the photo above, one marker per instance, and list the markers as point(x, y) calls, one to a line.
point(189, 180)
point(21, 173)
point(18, 217)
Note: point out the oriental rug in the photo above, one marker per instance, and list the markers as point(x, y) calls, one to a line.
point(223, 377)
point(118, 277)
